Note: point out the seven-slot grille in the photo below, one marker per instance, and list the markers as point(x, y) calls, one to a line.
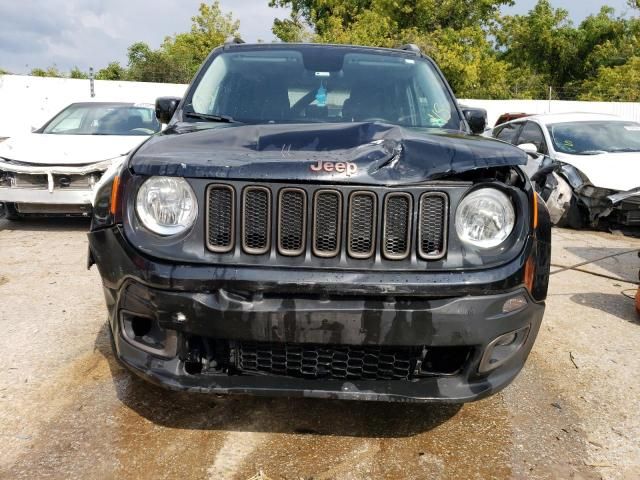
point(291, 214)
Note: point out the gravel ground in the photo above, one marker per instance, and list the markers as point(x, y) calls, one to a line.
point(68, 410)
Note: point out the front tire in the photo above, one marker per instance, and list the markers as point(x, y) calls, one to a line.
point(11, 212)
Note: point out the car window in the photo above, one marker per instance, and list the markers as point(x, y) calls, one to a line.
point(306, 84)
point(509, 132)
point(104, 119)
point(532, 133)
point(594, 137)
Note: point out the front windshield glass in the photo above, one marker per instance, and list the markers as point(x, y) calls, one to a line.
point(104, 119)
point(311, 84)
point(594, 137)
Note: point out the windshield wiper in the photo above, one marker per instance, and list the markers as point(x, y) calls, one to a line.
point(211, 118)
point(623, 149)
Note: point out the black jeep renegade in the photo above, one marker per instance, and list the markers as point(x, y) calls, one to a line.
point(321, 221)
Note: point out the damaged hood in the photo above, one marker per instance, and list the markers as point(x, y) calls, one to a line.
point(614, 171)
point(364, 153)
point(46, 149)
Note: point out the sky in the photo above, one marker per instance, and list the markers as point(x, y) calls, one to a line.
point(91, 33)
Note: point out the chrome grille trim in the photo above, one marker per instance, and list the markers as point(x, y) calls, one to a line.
point(282, 220)
point(357, 234)
point(391, 223)
point(433, 233)
point(221, 247)
point(252, 231)
point(326, 253)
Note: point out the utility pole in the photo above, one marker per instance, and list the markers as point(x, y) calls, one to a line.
point(91, 85)
point(550, 95)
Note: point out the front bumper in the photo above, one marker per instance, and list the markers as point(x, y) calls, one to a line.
point(271, 306)
point(40, 196)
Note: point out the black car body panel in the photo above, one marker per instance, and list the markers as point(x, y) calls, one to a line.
point(451, 327)
point(383, 154)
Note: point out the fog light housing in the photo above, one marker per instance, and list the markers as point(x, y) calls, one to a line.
point(146, 334)
point(502, 349)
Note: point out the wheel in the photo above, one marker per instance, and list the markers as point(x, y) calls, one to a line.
point(11, 213)
point(573, 217)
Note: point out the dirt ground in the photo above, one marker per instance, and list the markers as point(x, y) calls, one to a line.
point(68, 410)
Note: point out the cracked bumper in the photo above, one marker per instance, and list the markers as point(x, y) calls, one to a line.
point(271, 305)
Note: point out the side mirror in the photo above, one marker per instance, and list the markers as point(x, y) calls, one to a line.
point(166, 107)
point(529, 149)
point(476, 118)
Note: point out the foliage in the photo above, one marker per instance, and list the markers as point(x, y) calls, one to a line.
point(49, 72)
point(77, 73)
point(113, 71)
point(180, 55)
point(619, 83)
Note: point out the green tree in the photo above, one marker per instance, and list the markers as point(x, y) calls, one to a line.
point(4, 72)
point(113, 71)
point(180, 55)
point(48, 72)
point(611, 84)
point(77, 73)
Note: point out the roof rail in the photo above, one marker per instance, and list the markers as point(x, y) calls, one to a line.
point(411, 47)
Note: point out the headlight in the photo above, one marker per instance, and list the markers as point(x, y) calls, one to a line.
point(485, 218)
point(166, 205)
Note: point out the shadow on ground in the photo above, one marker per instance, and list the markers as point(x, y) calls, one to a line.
point(42, 224)
point(622, 265)
point(272, 415)
point(612, 303)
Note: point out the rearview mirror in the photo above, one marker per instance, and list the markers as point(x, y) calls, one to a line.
point(166, 107)
point(529, 148)
point(476, 118)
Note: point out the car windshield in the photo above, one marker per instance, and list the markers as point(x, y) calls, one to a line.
point(594, 137)
point(318, 84)
point(104, 119)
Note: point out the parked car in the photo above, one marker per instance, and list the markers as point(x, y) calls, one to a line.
point(507, 117)
point(584, 165)
point(56, 169)
point(320, 221)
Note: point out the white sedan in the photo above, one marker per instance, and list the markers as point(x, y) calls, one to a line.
point(586, 166)
point(56, 169)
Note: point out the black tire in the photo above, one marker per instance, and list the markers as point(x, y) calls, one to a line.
point(574, 218)
point(11, 213)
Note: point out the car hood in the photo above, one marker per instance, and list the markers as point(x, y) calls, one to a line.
point(369, 153)
point(44, 149)
point(615, 171)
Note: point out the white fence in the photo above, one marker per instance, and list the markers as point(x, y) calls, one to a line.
point(495, 108)
point(28, 102)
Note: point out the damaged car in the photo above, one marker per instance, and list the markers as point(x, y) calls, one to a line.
point(57, 169)
point(585, 166)
point(322, 221)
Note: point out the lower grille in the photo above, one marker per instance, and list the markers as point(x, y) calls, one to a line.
point(330, 361)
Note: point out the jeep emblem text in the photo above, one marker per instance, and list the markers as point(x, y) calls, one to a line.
point(341, 167)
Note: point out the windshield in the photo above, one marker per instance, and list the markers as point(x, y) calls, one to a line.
point(313, 84)
point(104, 119)
point(591, 138)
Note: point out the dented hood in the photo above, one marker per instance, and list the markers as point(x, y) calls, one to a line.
point(615, 171)
point(368, 153)
point(54, 149)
